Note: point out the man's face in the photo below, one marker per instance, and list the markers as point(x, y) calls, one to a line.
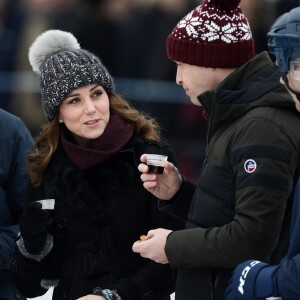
point(295, 85)
point(196, 80)
point(294, 70)
point(294, 80)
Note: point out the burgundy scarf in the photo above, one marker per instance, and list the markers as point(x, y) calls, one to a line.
point(115, 136)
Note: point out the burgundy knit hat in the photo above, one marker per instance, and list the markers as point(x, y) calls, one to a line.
point(216, 34)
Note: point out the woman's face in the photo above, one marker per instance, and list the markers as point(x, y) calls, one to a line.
point(85, 112)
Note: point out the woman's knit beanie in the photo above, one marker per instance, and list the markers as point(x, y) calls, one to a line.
point(62, 65)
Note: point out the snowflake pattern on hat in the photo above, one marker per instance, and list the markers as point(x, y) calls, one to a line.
point(190, 24)
point(211, 24)
point(214, 34)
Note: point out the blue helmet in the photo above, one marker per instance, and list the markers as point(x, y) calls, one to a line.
point(284, 38)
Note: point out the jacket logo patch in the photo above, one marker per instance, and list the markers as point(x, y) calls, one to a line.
point(250, 165)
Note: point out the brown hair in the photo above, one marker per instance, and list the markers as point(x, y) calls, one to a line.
point(48, 139)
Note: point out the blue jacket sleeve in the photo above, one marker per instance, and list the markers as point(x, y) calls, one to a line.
point(257, 280)
point(16, 142)
point(281, 280)
point(7, 240)
point(288, 278)
point(18, 174)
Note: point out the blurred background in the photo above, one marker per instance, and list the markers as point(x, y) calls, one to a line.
point(129, 37)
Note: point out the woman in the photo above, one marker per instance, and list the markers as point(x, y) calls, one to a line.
point(86, 160)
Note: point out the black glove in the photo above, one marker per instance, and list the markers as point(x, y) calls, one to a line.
point(34, 227)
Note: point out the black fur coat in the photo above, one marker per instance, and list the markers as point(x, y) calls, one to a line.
point(99, 214)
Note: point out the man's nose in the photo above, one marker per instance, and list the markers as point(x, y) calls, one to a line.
point(178, 78)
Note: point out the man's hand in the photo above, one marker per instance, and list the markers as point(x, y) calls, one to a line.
point(154, 247)
point(163, 186)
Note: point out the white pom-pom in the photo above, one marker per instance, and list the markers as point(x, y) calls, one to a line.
point(50, 41)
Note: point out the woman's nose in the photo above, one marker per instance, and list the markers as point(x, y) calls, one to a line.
point(89, 106)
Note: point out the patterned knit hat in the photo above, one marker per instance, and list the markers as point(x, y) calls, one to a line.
point(215, 34)
point(63, 66)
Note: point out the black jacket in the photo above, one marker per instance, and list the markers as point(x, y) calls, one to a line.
point(98, 215)
point(241, 206)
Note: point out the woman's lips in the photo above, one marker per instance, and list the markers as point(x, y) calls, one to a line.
point(92, 122)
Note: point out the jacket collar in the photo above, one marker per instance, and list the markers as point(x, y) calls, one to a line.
point(254, 84)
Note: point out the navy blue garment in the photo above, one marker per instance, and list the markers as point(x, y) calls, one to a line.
point(257, 280)
point(15, 143)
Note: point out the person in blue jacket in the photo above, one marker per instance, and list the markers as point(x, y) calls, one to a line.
point(254, 279)
point(15, 143)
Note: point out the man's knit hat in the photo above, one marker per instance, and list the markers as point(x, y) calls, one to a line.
point(216, 34)
point(63, 66)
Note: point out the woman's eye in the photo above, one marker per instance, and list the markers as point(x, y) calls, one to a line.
point(97, 93)
point(73, 101)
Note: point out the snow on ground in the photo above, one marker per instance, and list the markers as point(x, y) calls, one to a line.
point(48, 296)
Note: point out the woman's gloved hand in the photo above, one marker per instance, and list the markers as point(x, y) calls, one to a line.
point(34, 224)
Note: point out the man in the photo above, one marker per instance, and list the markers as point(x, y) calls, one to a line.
point(15, 143)
point(254, 279)
point(240, 207)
